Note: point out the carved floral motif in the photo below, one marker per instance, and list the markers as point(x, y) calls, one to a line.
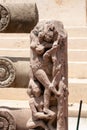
point(7, 121)
point(4, 17)
point(7, 72)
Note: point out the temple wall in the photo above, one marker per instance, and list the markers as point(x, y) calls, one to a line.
point(70, 12)
point(73, 15)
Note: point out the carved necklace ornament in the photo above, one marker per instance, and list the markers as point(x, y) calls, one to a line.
point(7, 72)
point(7, 121)
point(4, 18)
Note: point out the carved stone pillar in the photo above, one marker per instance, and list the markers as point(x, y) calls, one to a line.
point(18, 17)
point(48, 85)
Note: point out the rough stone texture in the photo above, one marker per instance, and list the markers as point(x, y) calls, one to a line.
point(12, 118)
point(70, 12)
point(74, 87)
point(23, 107)
point(48, 85)
point(7, 121)
point(7, 72)
point(14, 72)
point(18, 18)
point(18, 46)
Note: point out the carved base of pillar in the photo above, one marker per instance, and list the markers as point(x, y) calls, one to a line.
point(14, 118)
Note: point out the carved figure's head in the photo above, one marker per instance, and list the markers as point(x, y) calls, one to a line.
point(50, 33)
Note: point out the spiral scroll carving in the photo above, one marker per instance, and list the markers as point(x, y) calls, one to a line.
point(4, 17)
point(7, 72)
point(7, 121)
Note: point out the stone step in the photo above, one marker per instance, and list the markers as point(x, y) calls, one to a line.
point(19, 42)
point(77, 55)
point(73, 123)
point(76, 31)
point(22, 41)
point(77, 92)
point(77, 69)
point(13, 94)
point(77, 43)
point(73, 54)
point(15, 52)
point(14, 103)
point(73, 109)
point(16, 41)
point(18, 46)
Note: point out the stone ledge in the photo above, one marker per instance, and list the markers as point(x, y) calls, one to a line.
point(77, 55)
point(77, 90)
point(76, 31)
point(14, 103)
point(73, 107)
point(77, 69)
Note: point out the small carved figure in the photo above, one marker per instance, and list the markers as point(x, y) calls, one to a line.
point(36, 103)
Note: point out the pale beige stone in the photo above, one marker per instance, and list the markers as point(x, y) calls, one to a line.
point(70, 12)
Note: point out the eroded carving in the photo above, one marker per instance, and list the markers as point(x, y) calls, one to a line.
point(7, 121)
point(18, 17)
point(48, 62)
point(4, 17)
point(37, 104)
point(7, 72)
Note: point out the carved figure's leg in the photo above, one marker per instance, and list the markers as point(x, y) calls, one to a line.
point(54, 83)
point(50, 122)
point(43, 79)
point(46, 100)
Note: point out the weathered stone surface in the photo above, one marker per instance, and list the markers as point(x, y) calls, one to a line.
point(12, 118)
point(7, 121)
point(7, 72)
point(48, 63)
point(70, 12)
point(18, 17)
point(14, 72)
